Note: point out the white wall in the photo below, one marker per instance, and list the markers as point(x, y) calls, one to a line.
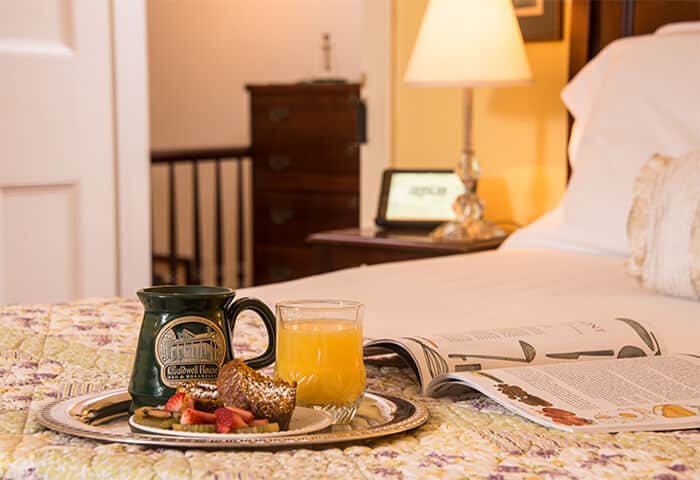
point(203, 52)
point(201, 55)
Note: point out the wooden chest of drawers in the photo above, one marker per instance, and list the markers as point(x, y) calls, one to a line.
point(305, 140)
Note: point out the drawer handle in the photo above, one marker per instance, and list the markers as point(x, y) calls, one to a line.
point(278, 114)
point(281, 215)
point(351, 149)
point(360, 119)
point(279, 162)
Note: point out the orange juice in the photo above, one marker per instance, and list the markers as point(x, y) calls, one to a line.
point(324, 357)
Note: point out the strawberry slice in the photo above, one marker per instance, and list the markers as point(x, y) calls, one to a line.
point(179, 402)
point(259, 421)
point(193, 417)
point(227, 420)
point(244, 414)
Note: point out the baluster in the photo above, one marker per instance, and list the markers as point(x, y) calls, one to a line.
point(154, 278)
point(241, 226)
point(197, 275)
point(219, 226)
point(173, 225)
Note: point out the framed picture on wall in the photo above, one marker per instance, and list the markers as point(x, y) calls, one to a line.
point(540, 20)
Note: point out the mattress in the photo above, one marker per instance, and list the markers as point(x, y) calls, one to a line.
point(507, 287)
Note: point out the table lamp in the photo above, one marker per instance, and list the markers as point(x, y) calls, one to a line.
point(468, 43)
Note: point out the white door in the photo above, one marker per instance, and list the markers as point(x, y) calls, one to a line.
point(58, 151)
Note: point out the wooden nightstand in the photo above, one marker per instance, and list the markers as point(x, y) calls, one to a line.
point(353, 247)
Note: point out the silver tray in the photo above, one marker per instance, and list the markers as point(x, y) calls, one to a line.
point(379, 415)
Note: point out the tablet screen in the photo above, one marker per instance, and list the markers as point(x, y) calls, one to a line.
point(422, 196)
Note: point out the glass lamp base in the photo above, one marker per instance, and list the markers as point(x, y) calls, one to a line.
point(467, 230)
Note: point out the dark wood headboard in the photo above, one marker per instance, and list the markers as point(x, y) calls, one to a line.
point(596, 23)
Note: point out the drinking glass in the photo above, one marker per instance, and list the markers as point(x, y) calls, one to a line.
point(319, 346)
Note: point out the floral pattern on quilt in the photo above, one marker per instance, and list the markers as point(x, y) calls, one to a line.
point(51, 351)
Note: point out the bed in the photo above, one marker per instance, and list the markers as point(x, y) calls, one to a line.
point(509, 287)
point(629, 101)
point(560, 268)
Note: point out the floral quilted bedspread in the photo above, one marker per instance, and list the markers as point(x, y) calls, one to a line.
point(51, 351)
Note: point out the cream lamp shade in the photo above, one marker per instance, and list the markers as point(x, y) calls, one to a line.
point(468, 43)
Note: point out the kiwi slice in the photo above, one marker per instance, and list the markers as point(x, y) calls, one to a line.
point(165, 423)
point(152, 412)
point(267, 428)
point(141, 411)
point(196, 428)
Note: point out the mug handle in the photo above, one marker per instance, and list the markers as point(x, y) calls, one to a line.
point(231, 313)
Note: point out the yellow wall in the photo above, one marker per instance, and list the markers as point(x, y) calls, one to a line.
point(519, 133)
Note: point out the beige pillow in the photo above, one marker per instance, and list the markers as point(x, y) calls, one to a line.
point(663, 226)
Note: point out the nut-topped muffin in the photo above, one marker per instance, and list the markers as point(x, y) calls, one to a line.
point(241, 386)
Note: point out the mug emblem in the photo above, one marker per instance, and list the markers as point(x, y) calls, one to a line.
point(189, 348)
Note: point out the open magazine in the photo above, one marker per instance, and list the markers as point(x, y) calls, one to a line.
point(607, 376)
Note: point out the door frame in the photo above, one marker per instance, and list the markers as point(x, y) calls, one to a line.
point(131, 145)
point(375, 155)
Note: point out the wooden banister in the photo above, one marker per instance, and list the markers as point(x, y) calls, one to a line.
point(195, 157)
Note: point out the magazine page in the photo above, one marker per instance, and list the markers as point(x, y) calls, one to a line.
point(633, 394)
point(510, 347)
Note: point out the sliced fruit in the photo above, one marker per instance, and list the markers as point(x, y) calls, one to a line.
point(179, 402)
point(227, 420)
point(198, 428)
point(191, 416)
point(152, 412)
point(259, 421)
point(165, 423)
point(244, 414)
point(141, 411)
point(267, 428)
point(153, 417)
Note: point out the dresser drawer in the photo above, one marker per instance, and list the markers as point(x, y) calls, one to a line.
point(306, 182)
point(287, 219)
point(300, 157)
point(278, 118)
point(278, 264)
point(323, 168)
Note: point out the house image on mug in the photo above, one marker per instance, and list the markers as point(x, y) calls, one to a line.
point(188, 347)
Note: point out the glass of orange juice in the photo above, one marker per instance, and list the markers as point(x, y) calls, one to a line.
point(319, 346)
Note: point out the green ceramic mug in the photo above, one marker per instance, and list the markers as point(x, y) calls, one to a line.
point(187, 334)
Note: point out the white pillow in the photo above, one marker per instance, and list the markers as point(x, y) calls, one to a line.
point(646, 101)
point(578, 97)
point(580, 92)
